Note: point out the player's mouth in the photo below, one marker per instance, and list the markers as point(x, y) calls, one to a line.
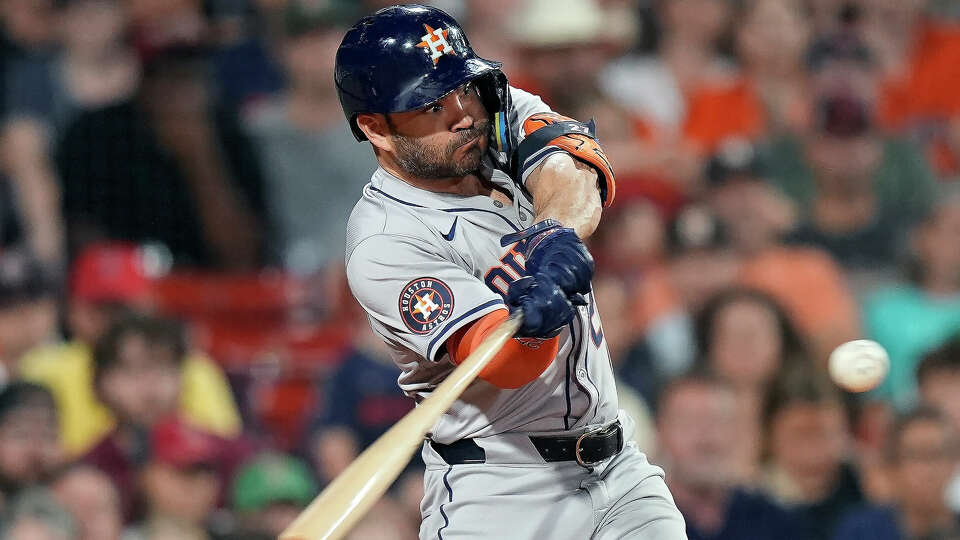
point(470, 144)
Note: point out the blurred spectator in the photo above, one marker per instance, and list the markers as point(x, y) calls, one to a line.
point(313, 167)
point(922, 454)
point(638, 378)
point(28, 308)
point(663, 293)
point(94, 68)
point(772, 38)
point(93, 500)
point(180, 484)
point(701, 262)
point(697, 430)
point(361, 402)
point(29, 449)
point(167, 166)
point(647, 328)
point(246, 69)
point(807, 444)
point(830, 16)
point(546, 34)
point(919, 59)
point(855, 188)
point(804, 280)
point(270, 491)
point(746, 338)
point(139, 375)
point(36, 515)
point(938, 385)
point(913, 318)
point(938, 380)
point(486, 22)
point(107, 283)
point(687, 98)
point(162, 24)
point(26, 28)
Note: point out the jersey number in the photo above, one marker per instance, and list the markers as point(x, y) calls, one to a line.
point(512, 268)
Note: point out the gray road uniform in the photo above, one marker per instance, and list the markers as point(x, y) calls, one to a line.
point(423, 265)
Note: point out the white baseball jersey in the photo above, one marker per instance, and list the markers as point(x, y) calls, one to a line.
point(425, 264)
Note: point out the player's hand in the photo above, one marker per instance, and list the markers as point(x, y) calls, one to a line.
point(545, 306)
point(559, 253)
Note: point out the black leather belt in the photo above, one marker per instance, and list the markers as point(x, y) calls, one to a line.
point(587, 450)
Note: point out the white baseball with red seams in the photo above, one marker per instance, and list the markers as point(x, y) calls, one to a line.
point(860, 365)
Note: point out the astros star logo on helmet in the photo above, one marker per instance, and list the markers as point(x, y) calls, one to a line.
point(436, 41)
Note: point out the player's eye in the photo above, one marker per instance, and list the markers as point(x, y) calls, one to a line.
point(434, 108)
point(467, 88)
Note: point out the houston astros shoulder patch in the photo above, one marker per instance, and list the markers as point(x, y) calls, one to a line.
point(425, 303)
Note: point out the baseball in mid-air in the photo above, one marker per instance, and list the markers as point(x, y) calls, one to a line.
point(860, 365)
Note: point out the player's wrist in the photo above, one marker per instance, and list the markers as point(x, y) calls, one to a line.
point(533, 234)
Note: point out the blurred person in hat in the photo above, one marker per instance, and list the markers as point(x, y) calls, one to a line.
point(92, 498)
point(180, 483)
point(857, 190)
point(805, 280)
point(29, 302)
point(108, 282)
point(309, 158)
point(270, 491)
point(30, 450)
point(570, 33)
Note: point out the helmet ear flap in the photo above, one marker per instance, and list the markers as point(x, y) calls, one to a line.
point(495, 94)
point(357, 132)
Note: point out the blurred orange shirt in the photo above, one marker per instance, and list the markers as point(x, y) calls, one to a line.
point(804, 281)
point(809, 286)
point(715, 112)
point(928, 89)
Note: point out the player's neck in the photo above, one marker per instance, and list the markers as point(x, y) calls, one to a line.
point(467, 186)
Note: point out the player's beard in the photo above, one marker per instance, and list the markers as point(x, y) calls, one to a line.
point(435, 162)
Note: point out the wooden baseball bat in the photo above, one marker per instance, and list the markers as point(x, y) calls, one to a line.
point(338, 508)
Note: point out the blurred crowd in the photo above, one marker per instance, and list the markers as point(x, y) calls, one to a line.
point(179, 357)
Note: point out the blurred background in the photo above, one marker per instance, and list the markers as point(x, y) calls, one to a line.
point(180, 358)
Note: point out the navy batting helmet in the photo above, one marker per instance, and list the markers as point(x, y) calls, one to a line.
point(405, 57)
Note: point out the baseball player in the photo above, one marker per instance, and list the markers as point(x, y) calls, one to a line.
point(478, 209)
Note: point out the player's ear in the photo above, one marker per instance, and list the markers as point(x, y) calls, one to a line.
point(375, 127)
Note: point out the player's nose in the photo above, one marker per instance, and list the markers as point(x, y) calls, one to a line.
point(463, 119)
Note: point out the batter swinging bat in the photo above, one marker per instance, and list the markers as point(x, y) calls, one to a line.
point(338, 508)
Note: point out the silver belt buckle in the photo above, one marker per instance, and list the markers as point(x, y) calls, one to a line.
point(576, 447)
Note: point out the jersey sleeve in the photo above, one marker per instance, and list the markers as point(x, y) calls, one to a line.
point(523, 106)
point(414, 294)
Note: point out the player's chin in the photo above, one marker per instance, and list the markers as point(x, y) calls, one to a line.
point(468, 159)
